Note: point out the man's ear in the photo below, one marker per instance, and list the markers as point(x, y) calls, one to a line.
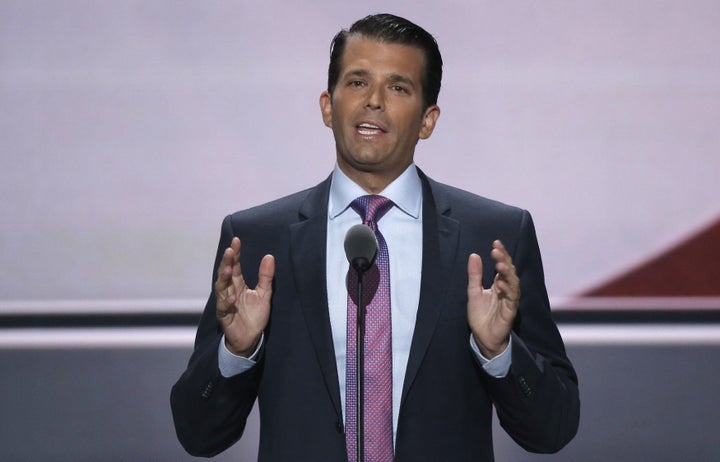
point(326, 108)
point(430, 118)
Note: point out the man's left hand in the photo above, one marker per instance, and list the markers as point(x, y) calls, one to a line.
point(491, 312)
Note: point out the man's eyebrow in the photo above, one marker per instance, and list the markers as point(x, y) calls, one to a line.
point(397, 78)
point(357, 73)
point(394, 78)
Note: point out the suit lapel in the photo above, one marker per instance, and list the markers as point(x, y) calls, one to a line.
point(308, 239)
point(440, 239)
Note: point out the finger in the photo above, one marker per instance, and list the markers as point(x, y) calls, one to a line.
point(503, 261)
point(474, 269)
point(235, 246)
point(266, 274)
point(499, 253)
point(506, 271)
point(229, 265)
point(225, 270)
point(508, 274)
point(504, 289)
point(507, 286)
point(229, 296)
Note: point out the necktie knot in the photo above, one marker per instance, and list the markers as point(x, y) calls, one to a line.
point(371, 207)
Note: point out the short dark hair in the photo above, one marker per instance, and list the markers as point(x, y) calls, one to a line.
point(389, 28)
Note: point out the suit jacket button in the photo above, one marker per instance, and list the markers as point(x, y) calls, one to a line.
point(524, 387)
point(208, 390)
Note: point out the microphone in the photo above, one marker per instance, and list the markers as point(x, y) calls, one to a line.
point(361, 247)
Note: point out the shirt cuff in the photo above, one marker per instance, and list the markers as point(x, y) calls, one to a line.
point(231, 364)
point(499, 366)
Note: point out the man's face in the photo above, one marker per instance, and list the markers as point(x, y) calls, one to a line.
point(376, 110)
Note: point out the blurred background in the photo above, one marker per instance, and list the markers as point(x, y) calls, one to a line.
point(129, 129)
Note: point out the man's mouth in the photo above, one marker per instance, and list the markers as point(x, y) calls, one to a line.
point(368, 129)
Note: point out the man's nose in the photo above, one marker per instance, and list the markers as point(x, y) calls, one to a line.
point(376, 98)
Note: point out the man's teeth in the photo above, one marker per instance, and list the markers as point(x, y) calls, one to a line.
point(368, 129)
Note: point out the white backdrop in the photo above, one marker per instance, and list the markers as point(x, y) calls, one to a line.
point(128, 129)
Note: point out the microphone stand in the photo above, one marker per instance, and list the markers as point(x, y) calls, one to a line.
point(361, 248)
point(360, 375)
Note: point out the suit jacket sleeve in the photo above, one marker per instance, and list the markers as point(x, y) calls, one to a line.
point(210, 411)
point(538, 401)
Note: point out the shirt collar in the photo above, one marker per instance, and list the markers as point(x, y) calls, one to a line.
point(405, 192)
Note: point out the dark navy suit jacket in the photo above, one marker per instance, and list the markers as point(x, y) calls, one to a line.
point(447, 398)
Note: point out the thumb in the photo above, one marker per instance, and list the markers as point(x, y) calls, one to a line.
point(475, 270)
point(266, 274)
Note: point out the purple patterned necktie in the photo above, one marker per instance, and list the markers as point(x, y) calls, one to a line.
point(378, 345)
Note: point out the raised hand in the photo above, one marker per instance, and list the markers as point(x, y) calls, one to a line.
point(243, 312)
point(491, 312)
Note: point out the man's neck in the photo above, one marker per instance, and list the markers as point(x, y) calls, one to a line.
point(371, 182)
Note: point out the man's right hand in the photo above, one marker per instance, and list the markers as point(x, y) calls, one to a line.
point(243, 312)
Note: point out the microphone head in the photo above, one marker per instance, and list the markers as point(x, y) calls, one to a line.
point(361, 247)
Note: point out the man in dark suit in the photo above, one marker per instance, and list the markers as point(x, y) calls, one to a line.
point(465, 335)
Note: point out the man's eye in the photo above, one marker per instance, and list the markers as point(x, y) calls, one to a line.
point(399, 89)
point(357, 83)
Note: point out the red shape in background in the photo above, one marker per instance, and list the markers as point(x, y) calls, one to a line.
point(692, 268)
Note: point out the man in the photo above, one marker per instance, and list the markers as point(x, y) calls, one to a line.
point(466, 334)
